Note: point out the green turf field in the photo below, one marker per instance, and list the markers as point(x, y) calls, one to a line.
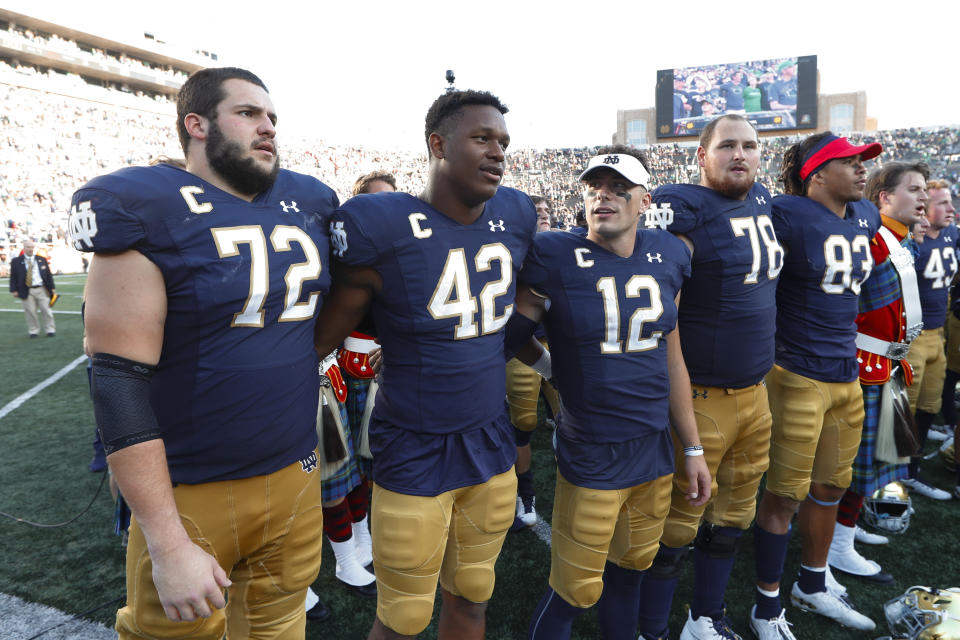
point(45, 448)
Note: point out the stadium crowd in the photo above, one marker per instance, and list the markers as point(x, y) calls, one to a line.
point(53, 143)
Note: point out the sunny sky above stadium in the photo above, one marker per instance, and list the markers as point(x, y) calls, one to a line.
point(364, 73)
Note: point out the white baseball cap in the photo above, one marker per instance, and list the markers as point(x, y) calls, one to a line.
point(626, 165)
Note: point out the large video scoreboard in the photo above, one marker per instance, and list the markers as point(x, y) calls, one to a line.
point(779, 93)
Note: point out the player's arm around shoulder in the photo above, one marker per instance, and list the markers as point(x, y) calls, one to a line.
point(126, 307)
point(685, 424)
point(353, 289)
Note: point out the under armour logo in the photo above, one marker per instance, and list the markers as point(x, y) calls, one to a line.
point(651, 257)
point(495, 226)
point(338, 238)
point(310, 462)
point(761, 200)
point(699, 394)
point(83, 225)
point(658, 216)
point(288, 207)
point(611, 160)
point(947, 239)
point(863, 223)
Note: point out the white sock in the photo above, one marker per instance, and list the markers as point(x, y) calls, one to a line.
point(770, 594)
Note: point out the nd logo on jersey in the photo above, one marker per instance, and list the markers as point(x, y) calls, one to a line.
point(658, 216)
point(83, 226)
point(338, 238)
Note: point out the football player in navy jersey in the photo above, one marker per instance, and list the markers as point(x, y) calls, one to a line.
point(608, 303)
point(936, 265)
point(726, 322)
point(200, 308)
point(438, 271)
point(825, 226)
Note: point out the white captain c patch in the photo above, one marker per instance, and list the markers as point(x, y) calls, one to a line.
point(189, 194)
point(418, 231)
point(582, 262)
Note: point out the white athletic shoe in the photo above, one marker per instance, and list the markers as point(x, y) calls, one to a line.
point(864, 536)
point(939, 433)
point(526, 514)
point(925, 489)
point(706, 628)
point(833, 586)
point(832, 606)
point(774, 629)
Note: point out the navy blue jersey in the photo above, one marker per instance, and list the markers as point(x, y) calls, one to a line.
point(606, 325)
point(728, 308)
point(828, 258)
point(448, 290)
point(936, 265)
point(236, 387)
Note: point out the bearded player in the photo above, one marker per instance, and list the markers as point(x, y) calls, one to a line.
point(608, 302)
point(439, 271)
point(727, 322)
point(825, 226)
point(200, 308)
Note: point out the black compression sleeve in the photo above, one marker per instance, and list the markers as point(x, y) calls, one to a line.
point(517, 332)
point(121, 401)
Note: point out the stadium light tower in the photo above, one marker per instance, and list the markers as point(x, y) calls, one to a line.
point(450, 80)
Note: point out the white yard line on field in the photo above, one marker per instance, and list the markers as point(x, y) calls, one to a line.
point(26, 395)
point(69, 313)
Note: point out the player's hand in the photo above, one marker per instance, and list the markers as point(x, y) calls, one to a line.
point(376, 360)
point(188, 581)
point(699, 480)
point(15, 294)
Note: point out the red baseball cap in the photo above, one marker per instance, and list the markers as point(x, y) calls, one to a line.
point(833, 147)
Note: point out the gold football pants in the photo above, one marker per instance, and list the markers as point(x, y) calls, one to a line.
point(264, 531)
point(455, 536)
point(815, 434)
point(734, 429)
point(591, 526)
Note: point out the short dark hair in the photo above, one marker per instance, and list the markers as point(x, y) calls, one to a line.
point(625, 150)
point(887, 177)
point(364, 181)
point(445, 109)
point(792, 162)
point(203, 91)
point(706, 134)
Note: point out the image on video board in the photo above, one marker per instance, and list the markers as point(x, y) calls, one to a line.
point(777, 93)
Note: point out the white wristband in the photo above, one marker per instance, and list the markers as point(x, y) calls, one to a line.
point(693, 451)
point(543, 366)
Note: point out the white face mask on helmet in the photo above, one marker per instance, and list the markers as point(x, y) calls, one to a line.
point(888, 509)
point(923, 613)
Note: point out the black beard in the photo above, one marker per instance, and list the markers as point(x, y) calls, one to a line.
point(243, 174)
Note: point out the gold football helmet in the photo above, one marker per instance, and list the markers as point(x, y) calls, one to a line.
point(888, 509)
point(922, 613)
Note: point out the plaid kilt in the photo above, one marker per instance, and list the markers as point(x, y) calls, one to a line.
point(356, 402)
point(348, 477)
point(868, 474)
